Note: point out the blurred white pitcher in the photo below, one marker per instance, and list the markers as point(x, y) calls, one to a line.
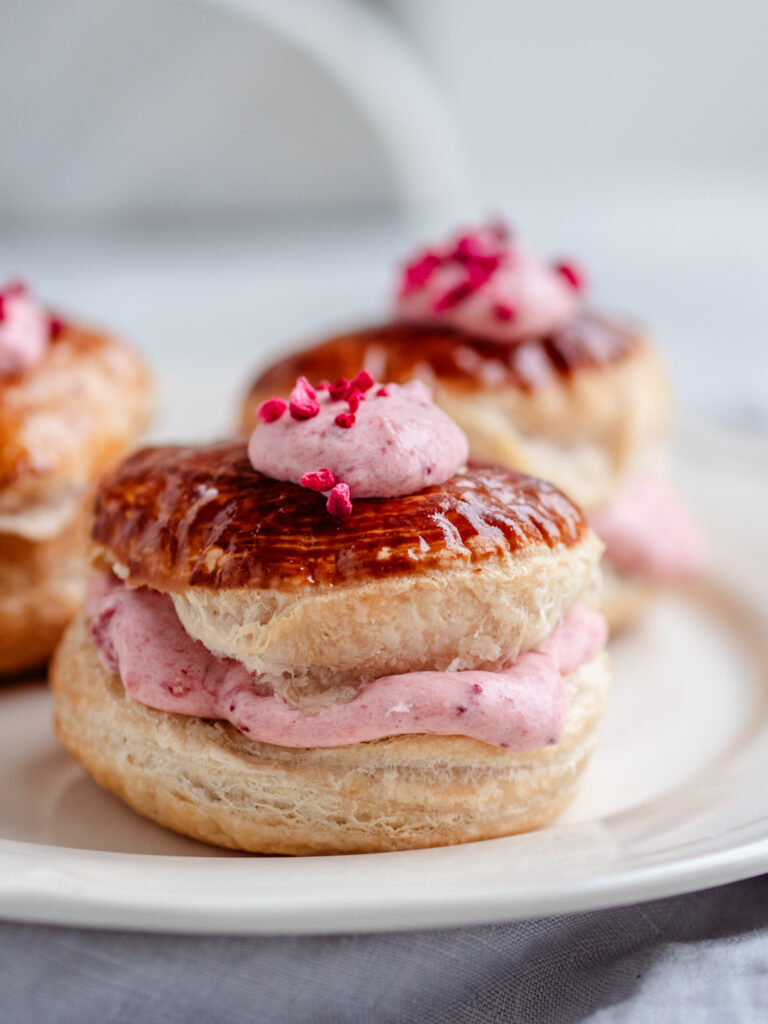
point(138, 109)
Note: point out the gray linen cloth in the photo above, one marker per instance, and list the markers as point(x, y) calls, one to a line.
point(695, 958)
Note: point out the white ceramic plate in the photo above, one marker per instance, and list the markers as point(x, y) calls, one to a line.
point(674, 800)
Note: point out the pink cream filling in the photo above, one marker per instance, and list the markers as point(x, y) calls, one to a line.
point(139, 636)
point(649, 532)
point(399, 443)
point(24, 330)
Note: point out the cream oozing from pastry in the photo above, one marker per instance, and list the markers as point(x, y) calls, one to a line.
point(484, 283)
point(398, 443)
point(648, 531)
point(24, 330)
point(523, 707)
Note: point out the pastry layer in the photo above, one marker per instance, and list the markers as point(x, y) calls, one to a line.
point(308, 640)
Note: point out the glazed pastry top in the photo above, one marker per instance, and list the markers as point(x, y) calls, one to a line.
point(401, 351)
point(173, 518)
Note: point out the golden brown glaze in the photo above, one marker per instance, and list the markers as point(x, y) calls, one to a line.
point(180, 517)
point(397, 352)
point(73, 413)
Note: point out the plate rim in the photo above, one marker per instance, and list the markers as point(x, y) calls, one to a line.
point(56, 901)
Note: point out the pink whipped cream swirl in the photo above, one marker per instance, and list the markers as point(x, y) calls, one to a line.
point(25, 329)
point(139, 636)
point(484, 283)
point(354, 439)
point(648, 531)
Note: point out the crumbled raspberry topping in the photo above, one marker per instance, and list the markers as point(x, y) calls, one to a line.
point(504, 311)
point(339, 502)
point(272, 409)
point(343, 389)
point(56, 327)
point(363, 381)
point(479, 254)
point(354, 400)
point(320, 480)
point(417, 273)
point(468, 248)
point(453, 297)
point(339, 389)
point(573, 274)
point(303, 404)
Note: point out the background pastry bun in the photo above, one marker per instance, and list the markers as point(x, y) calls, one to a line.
point(536, 380)
point(579, 406)
point(72, 402)
point(316, 614)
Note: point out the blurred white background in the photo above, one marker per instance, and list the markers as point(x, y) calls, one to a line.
point(219, 179)
point(561, 90)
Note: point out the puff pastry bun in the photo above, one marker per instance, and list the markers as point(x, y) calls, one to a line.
point(259, 572)
point(63, 421)
point(586, 406)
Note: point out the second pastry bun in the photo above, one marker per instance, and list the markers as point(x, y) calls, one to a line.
point(63, 421)
point(578, 407)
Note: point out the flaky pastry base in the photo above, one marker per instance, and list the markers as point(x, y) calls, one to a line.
point(208, 781)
